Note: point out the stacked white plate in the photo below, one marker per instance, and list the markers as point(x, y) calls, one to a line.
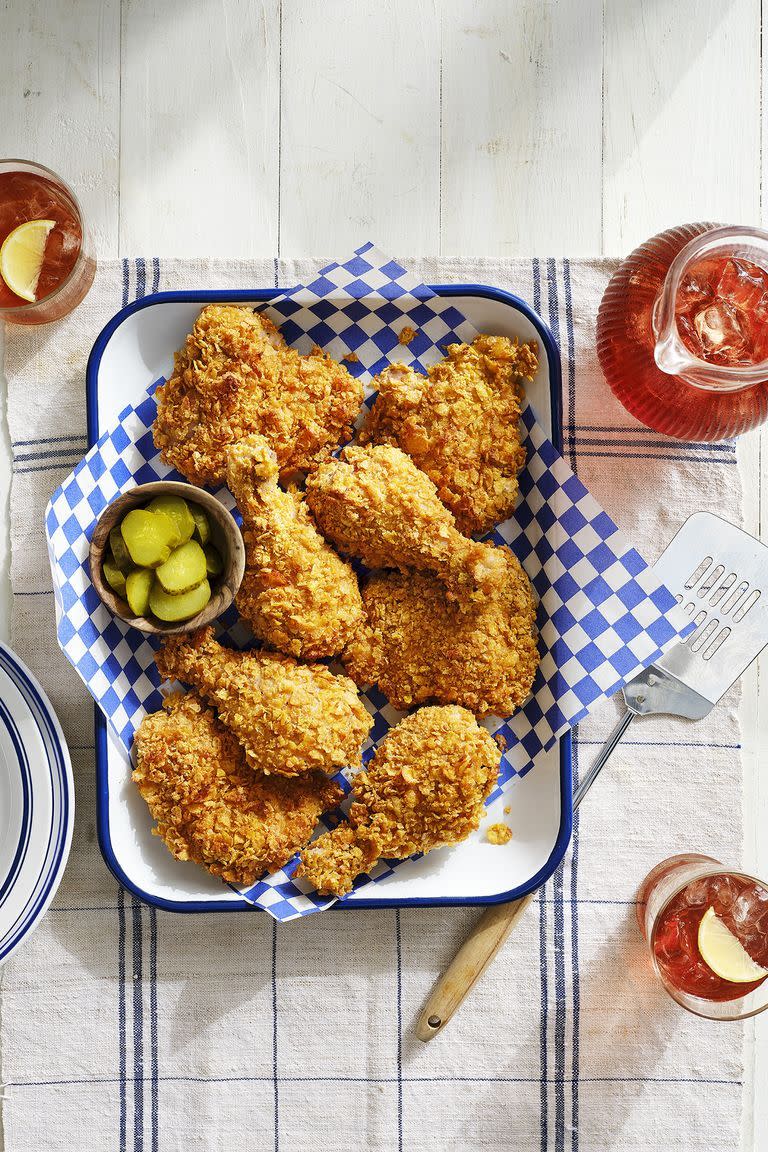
point(36, 803)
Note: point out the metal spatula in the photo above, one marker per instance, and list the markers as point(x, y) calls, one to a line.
point(719, 574)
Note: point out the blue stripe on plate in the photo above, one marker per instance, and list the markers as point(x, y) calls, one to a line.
point(57, 763)
point(27, 805)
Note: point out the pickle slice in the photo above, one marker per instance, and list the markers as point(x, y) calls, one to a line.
point(169, 607)
point(184, 569)
point(138, 585)
point(202, 523)
point(214, 564)
point(148, 537)
point(178, 512)
point(113, 576)
point(120, 553)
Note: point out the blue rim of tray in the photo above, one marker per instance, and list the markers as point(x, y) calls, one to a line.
point(62, 800)
point(566, 754)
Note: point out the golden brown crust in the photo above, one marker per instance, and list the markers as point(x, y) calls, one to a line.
point(297, 594)
point(234, 376)
point(418, 646)
point(374, 503)
point(425, 787)
point(498, 834)
point(332, 863)
point(460, 425)
point(290, 718)
point(210, 807)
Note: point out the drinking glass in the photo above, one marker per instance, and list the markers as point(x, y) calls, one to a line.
point(30, 191)
point(672, 901)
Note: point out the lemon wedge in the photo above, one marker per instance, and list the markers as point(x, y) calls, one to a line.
point(724, 953)
point(21, 257)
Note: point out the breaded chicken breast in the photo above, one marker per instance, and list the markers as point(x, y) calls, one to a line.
point(425, 787)
point(213, 809)
point(460, 425)
point(235, 375)
point(418, 646)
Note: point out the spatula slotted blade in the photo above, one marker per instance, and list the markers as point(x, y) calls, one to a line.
point(719, 575)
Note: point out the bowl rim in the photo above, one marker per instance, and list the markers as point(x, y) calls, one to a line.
point(222, 595)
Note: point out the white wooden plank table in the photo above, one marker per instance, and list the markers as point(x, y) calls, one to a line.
point(513, 127)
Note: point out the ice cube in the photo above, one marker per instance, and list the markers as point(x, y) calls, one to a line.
point(719, 331)
point(757, 326)
point(70, 239)
point(722, 892)
point(697, 893)
point(742, 909)
point(761, 899)
point(687, 332)
point(688, 934)
point(761, 922)
point(693, 291)
point(742, 284)
point(750, 914)
point(668, 940)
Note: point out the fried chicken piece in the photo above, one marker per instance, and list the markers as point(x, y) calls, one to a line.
point(376, 504)
point(297, 594)
point(460, 425)
point(333, 861)
point(419, 646)
point(290, 718)
point(424, 788)
point(210, 807)
point(235, 375)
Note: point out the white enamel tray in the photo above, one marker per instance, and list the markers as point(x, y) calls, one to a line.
point(134, 350)
point(36, 803)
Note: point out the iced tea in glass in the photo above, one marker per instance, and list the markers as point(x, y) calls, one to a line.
point(707, 929)
point(30, 192)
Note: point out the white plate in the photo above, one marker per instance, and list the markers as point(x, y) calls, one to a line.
point(134, 350)
point(37, 803)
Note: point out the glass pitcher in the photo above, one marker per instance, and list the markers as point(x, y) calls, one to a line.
point(682, 332)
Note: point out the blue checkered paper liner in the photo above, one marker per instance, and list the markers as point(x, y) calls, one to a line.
point(603, 614)
point(361, 307)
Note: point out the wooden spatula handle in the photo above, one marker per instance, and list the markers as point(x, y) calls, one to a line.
point(468, 965)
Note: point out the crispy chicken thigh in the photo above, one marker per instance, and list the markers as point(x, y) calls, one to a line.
point(290, 718)
point(424, 787)
point(376, 504)
point(418, 646)
point(460, 425)
point(235, 375)
point(210, 807)
point(297, 594)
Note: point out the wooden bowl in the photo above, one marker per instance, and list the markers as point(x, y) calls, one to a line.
point(225, 536)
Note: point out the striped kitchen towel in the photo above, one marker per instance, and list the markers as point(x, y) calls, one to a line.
point(127, 1028)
